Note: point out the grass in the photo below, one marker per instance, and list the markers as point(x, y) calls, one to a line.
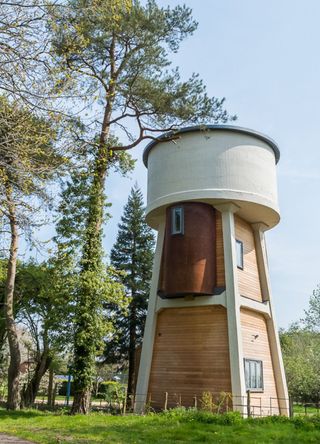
point(176, 426)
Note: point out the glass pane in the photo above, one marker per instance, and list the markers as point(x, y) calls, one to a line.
point(247, 373)
point(252, 375)
point(259, 375)
point(177, 220)
point(239, 248)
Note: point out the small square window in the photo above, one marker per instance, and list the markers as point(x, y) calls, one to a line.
point(239, 248)
point(253, 374)
point(177, 222)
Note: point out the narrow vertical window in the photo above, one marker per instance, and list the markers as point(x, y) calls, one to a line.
point(253, 374)
point(177, 223)
point(239, 248)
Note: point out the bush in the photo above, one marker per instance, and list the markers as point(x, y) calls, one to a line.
point(187, 415)
point(112, 391)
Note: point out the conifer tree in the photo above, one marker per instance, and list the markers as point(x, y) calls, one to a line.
point(133, 254)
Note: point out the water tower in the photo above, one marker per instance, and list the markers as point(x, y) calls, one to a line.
point(212, 194)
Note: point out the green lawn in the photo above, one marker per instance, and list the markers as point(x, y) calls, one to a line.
point(173, 427)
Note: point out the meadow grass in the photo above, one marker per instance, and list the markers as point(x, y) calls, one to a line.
point(176, 426)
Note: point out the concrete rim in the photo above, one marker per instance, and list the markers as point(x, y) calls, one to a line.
point(195, 128)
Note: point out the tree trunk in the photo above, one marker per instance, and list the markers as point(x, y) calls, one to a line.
point(84, 353)
point(50, 387)
point(13, 401)
point(31, 391)
point(132, 352)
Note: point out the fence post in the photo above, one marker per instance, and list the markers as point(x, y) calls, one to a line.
point(54, 395)
point(125, 402)
point(195, 402)
point(248, 404)
point(166, 401)
point(290, 407)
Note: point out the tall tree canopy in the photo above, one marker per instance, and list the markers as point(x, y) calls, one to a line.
point(29, 160)
point(115, 57)
point(133, 254)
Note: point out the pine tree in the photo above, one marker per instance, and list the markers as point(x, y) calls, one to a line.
point(132, 253)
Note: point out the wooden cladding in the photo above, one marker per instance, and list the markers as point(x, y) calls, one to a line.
point(221, 280)
point(191, 355)
point(256, 346)
point(248, 278)
point(189, 258)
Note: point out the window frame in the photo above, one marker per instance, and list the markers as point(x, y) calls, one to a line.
point(173, 220)
point(254, 389)
point(240, 266)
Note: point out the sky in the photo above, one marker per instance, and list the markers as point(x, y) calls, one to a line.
point(263, 57)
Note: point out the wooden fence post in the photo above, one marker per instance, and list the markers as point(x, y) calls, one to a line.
point(290, 407)
point(248, 404)
point(166, 401)
point(195, 402)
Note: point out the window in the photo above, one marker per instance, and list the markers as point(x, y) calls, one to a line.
point(239, 248)
point(177, 224)
point(253, 374)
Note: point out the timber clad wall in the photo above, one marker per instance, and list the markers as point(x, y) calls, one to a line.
point(253, 324)
point(248, 278)
point(221, 281)
point(191, 355)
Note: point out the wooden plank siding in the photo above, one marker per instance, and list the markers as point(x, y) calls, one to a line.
point(221, 280)
point(191, 355)
point(257, 347)
point(248, 278)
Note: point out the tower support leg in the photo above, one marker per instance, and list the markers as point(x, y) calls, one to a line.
point(233, 306)
point(150, 327)
point(274, 342)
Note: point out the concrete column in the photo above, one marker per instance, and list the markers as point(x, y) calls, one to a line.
point(150, 327)
point(278, 368)
point(233, 304)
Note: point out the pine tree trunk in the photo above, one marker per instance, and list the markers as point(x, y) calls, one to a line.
point(13, 400)
point(50, 387)
point(84, 354)
point(132, 352)
point(30, 393)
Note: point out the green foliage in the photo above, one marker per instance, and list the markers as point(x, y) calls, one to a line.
point(124, 65)
point(115, 55)
point(28, 157)
point(132, 255)
point(301, 355)
point(112, 392)
point(312, 315)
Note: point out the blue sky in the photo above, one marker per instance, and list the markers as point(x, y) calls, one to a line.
point(263, 56)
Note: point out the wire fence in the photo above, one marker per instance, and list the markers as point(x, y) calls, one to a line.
point(250, 405)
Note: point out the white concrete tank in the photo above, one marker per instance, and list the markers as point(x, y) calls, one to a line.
point(214, 164)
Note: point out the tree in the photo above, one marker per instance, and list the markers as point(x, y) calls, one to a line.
point(115, 54)
point(44, 293)
point(132, 254)
point(312, 315)
point(23, 50)
point(71, 236)
point(28, 161)
point(301, 355)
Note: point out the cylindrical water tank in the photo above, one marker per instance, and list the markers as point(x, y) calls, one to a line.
point(214, 164)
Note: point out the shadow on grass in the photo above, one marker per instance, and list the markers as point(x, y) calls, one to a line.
point(19, 414)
